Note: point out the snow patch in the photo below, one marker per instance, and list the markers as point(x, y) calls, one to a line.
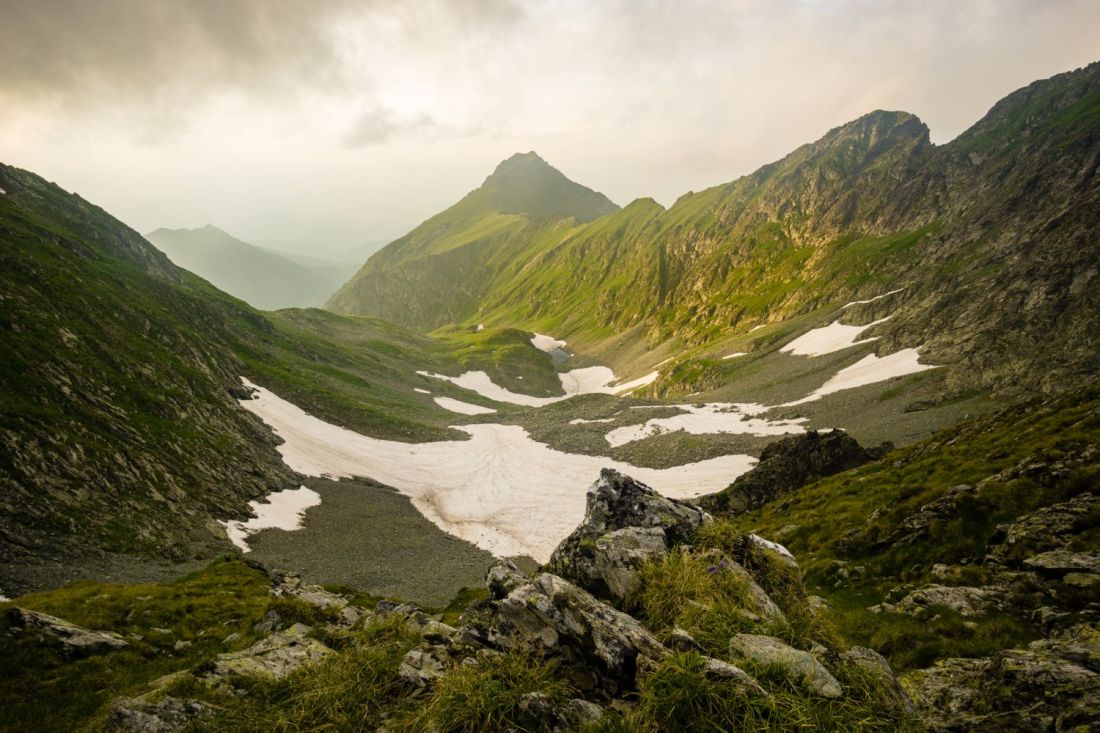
point(542, 342)
point(709, 418)
point(3, 193)
point(590, 380)
point(421, 391)
point(734, 354)
point(279, 510)
point(871, 300)
point(500, 490)
point(827, 339)
point(757, 328)
point(463, 408)
point(583, 421)
point(868, 370)
point(480, 327)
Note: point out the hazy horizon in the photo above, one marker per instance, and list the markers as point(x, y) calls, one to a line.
point(317, 128)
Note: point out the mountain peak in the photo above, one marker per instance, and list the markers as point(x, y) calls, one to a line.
point(526, 184)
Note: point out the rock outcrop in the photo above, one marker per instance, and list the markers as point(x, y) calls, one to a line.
point(1050, 685)
point(800, 666)
point(625, 524)
point(70, 641)
point(788, 464)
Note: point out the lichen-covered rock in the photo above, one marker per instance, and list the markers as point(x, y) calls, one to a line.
point(619, 557)
point(550, 716)
point(1061, 562)
point(1048, 528)
point(602, 647)
point(788, 464)
point(426, 663)
point(877, 666)
point(289, 585)
point(962, 599)
point(275, 657)
point(800, 666)
point(1050, 685)
point(70, 640)
point(603, 559)
point(718, 671)
point(502, 578)
point(135, 715)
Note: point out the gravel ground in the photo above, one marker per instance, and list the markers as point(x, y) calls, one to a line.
point(371, 538)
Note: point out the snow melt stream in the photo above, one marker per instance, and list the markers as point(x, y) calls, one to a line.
point(499, 490)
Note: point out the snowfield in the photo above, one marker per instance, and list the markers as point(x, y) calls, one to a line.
point(280, 510)
point(542, 342)
point(499, 490)
point(590, 380)
point(868, 370)
point(827, 339)
point(462, 408)
point(871, 300)
point(710, 418)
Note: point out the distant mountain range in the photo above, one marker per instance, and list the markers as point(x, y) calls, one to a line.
point(264, 278)
point(992, 237)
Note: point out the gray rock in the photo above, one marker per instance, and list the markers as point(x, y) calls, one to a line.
point(718, 671)
point(502, 578)
point(878, 667)
point(800, 666)
point(425, 664)
point(1059, 562)
point(681, 641)
point(619, 557)
point(1048, 528)
point(965, 600)
point(275, 657)
point(169, 715)
point(70, 640)
point(552, 617)
point(617, 502)
point(1050, 685)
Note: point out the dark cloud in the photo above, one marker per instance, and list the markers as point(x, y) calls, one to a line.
point(91, 52)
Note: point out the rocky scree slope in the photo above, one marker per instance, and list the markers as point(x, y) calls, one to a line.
point(993, 237)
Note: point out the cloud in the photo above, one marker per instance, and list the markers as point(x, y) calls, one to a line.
point(380, 125)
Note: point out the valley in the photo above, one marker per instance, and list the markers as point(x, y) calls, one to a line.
point(819, 445)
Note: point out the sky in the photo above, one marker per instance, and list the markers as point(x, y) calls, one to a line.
point(320, 126)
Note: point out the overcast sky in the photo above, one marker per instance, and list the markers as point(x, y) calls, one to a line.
point(322, 123)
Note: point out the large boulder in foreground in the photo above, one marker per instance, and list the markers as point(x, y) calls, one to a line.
point(625, 524)
point(601, 646)
point(787, 464)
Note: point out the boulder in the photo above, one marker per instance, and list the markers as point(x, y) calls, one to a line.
point(426, 663)
point(135, 715)
point(799, 666)
point(718, 671)
point(289, 585)
point(602, 558)
point(936, 512)
point(70, 640)
point(962, 599)
point(550, 716)
point(1061, 562)
point(787, 464)
point(275, 657)
point(1048, 528)
point(601, 646)
point(502, 578)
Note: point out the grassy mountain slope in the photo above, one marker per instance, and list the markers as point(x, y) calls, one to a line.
point(264, 279)
point(993, 237)
point(121, 441)
point(119, 430)
point(440, 271)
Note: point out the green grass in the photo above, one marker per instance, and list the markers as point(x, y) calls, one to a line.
point(43, 693)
